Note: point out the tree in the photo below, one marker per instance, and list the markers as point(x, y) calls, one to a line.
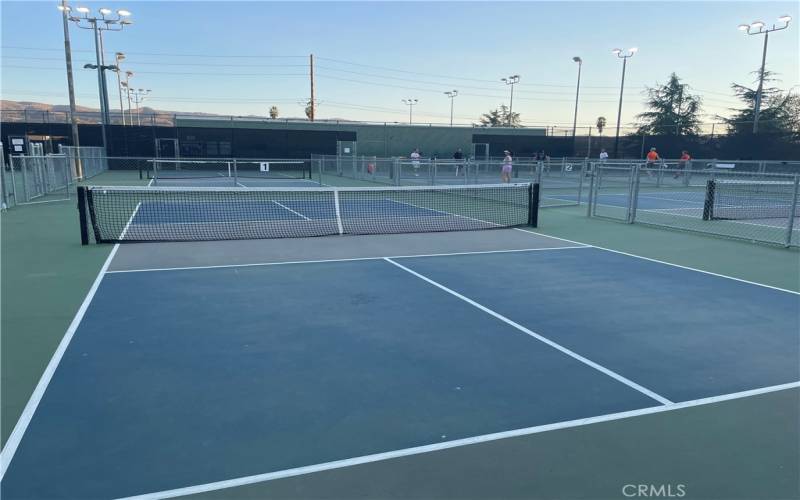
point(500, 117)
point(273, 112)
point(310, 109)
point(779, 114)
point(672, 110)
point(601, 124)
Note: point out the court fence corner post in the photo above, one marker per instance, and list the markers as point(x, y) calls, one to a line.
point(634, 194)
point(82, 215)
point(792, 212)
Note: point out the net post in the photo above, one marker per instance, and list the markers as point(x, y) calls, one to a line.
point(590, 193)
point(235, 173)
point(533, 205)
point(82, 215)
point(708, 205)
point(338, 209)
point(792, 212)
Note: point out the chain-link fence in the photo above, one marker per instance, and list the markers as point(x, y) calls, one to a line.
point(755, 206)
point(562, 181)
point(36, 179)
point(86, 161)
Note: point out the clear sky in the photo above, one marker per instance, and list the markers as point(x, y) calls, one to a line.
point(242, 57)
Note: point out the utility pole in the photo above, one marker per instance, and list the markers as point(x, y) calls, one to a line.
point(313, 100)
point(64, 8)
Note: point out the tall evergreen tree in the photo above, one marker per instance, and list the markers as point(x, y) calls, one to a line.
point(672, 110)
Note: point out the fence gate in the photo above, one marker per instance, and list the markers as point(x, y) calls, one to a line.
point(346, 153)
point(480, 152)
point(167, 148)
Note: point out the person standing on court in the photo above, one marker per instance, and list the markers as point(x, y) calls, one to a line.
point(603, 155)
point(652, 158)
point(459, 157)
point(683, 163)
point(505, 174)
point(415, 156)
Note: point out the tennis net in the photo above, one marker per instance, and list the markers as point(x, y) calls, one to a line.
point(750, 199)
point(173, 168)
point(142, 214)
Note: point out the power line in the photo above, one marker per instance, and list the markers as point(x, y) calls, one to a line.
point(174, 72)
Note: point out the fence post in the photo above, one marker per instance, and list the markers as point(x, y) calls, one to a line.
point(24, 170)
point(634, 195)
point(792, 212)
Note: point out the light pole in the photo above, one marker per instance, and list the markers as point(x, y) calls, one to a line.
point(119, 57)
point(452, 95)
point(410, 103)
point(126, 86)
point(624, 58)
point(749, 29)
point(511, 80)
point(65, 9)
point(138, 97)
point(98, 24)
point(577, 93)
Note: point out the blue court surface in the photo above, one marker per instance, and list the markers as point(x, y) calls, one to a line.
point(174, 378)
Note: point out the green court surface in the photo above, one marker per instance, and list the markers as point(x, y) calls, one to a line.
point(743, 448)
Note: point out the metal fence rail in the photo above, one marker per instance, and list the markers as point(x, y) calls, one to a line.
point(754, 206)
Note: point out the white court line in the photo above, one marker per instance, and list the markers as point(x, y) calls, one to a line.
point(259, 264)
point(33, 402)
point(602, 369)
point(485, 438)
point(663, 262)
point(289, 209)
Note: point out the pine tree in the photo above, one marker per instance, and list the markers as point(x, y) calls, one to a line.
point(673, 110)
point(779, 113)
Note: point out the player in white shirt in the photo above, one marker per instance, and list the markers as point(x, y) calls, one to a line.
point(603, 155)
point(415, 156)
point(505, 174)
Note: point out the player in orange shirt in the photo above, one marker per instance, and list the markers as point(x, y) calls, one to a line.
point(652, 158)
point(683, 164)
